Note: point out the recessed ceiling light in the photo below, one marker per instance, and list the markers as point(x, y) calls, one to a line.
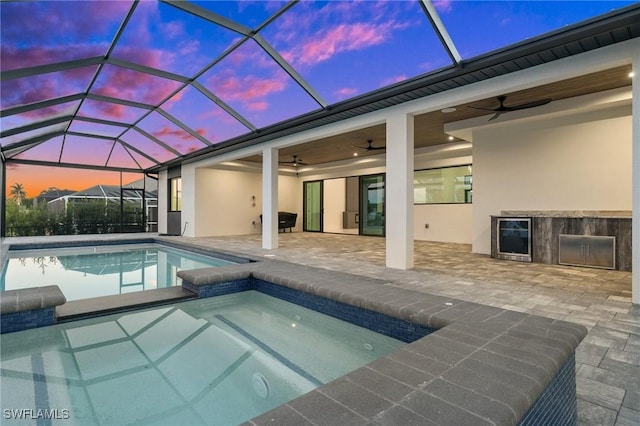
point(448, 110)
point(632, 74)
point(451, 138)
point(355, 154)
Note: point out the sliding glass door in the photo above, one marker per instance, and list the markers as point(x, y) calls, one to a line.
point(312, 206)
point(372, 205)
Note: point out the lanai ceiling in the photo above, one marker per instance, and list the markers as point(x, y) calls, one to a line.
point(129, 85)
point(428, 128)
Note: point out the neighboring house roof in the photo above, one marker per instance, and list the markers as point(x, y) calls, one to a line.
point(52, 194)
point(130, 191)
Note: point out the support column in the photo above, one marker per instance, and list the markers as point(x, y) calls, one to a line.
point(188, 224)
point(399, 191)
point(635, 190)
point(270, 198)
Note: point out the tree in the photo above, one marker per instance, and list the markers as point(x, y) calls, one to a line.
point(17, 193)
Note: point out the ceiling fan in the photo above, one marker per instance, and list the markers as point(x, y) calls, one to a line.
point(504, 108)
point(295, 162)
point(369, 146)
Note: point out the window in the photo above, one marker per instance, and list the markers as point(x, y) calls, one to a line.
point(446, 185)
point(175, 191)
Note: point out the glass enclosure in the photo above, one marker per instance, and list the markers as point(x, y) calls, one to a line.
point(313, 206)
point(372, 205)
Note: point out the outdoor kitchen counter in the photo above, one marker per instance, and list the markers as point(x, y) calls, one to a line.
point(547, 226)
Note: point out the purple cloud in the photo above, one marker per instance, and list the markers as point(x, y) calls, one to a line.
point(123, 83)
point(47, 86)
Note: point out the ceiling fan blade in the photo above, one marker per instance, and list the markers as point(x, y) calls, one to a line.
point(482, 109)
point(496, 115)
point(369, 146)
point(528, 105)
point(295, 161)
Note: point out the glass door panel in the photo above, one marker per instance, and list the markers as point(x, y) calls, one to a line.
point(372, 205)
point(313, 206)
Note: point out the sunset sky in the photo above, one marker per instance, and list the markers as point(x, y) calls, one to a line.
point(340, 48)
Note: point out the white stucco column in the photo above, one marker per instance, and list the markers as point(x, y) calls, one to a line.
point(163, 201)
point(399, 191)
point(188, 225)
point(270, 198)
point(635, 173)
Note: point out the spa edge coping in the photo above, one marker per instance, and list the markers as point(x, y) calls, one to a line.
point(489, 365)
point(29, 299)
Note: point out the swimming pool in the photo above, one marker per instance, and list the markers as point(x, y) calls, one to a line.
point(220, 360)
point(84, 272)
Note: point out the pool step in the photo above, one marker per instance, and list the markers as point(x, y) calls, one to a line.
point(104, 305)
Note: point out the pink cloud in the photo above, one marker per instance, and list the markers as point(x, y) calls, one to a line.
point(172, 133)
point(250, 54)
point(153, 58)
point(188, 47)
point(127, 84)
point(20, 57)
point(175, 98)
point(52, 111)
point(346, 92)
point(443, 6)
point(258, 106)
point(341, 38)
point(173, 29)
point(49, 112)
point(12, 166)
point(47, 86)
point(250, 90)
point(109, 111)
point(114, 110)
point(392, 80)
point(218, 114)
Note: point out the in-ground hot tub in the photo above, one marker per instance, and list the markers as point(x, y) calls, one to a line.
point(481, 365)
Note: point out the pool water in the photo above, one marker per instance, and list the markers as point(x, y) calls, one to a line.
point(221, 360)
point(85, 272)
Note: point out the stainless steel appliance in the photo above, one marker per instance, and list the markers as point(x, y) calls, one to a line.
point(514, 238)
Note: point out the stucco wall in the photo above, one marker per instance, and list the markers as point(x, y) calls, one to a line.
point(224, 204)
